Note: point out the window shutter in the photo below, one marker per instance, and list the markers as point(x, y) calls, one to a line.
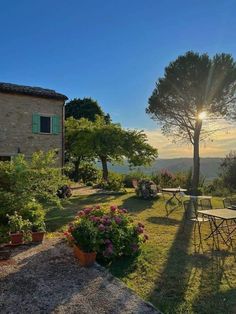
point(36, 123)
point(56, 126)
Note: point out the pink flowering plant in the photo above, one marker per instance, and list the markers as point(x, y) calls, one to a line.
point(116, 233)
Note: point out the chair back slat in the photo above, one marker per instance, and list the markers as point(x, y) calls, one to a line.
point(205, 204)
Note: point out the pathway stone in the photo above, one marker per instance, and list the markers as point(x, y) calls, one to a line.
point(47, 279)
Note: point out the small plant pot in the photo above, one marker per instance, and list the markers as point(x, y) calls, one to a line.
point(85, 259)
point(16, 238)
point(38, 236)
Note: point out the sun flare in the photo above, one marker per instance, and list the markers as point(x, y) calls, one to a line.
point(202, 115)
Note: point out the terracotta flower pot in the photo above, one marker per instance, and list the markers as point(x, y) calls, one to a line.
point(38, 236)
point(85, 259)
point(16, 238)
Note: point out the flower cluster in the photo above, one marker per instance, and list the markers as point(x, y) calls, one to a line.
point(117, 235)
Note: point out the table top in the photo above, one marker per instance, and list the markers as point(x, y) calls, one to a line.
point(199, 197)
point(223, 213)
point(173, 190)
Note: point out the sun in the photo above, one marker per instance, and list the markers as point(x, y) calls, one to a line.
point(202, 115)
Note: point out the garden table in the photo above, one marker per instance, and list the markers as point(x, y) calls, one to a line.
point(219, 217)
point(174, 191)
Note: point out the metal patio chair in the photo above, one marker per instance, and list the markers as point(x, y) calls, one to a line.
point(191, 214)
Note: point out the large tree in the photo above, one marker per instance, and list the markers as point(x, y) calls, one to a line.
point(193, 86)
point(108, 143)
point(84, 108)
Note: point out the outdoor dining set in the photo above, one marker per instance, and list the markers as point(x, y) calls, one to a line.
point(199, 210)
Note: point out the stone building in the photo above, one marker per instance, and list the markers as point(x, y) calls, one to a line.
point(31, 119)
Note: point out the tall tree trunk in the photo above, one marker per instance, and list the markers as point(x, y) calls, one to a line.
point(196, 157)
point(104, 168)
point(76, 171)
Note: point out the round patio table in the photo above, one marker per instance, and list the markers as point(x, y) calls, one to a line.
point(174, 191)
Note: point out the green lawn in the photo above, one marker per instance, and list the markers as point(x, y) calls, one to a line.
point(167, 273)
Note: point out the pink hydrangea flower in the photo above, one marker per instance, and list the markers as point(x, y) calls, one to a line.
point(118, 220)
point(81, 213)
point(113, 208)
point(101, 227)
point(139, 230)
point(88, 210)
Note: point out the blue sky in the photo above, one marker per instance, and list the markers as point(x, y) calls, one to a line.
point(113, 51)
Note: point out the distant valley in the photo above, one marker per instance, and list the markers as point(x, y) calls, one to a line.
point(209, 166)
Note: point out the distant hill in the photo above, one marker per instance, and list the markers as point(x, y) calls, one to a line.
point(209, 166)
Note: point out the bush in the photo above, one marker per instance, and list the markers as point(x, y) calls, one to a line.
point(18, 224)
point(146, 189)
point(114, 183)
point(129, 177)
point(22, 182)
point(88, 172)
point(109, 232)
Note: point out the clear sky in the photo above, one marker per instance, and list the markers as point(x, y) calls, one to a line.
point(112, 51)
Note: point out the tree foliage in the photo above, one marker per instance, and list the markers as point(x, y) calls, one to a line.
point(228, 171)
point(84, 108)
point(108, 143)
point(192, 84)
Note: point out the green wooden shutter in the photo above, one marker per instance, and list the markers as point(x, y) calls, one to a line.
point(36, 123)
point(56, 125)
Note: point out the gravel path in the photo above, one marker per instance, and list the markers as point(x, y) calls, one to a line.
point(47, 279)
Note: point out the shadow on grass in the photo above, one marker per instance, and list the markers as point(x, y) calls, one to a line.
point(180, 278)
point(135, 204)
point(172, 284)
point(210, 298)
point(167, 221)
point(122, 266)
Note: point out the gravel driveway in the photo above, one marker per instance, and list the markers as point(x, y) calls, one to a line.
point(47, 279)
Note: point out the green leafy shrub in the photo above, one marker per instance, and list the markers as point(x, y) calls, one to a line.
point(22, 181)
point(85, 235)
point(18, 224)
point(88, 172)
point(34, 212)
point(110, 232)
point(114, 183)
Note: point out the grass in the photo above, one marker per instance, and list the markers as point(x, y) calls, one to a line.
point(168, 272)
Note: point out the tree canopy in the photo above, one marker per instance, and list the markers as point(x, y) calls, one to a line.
point(193, 84)
point(84, 108)
point(108, 143)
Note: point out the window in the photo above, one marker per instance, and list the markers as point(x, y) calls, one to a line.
point(45, 124)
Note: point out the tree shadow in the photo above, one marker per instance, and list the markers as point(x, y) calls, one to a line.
point(166, 221)
point(181, 273)
point(172, 283)
point(210, 295)
point(135, 204)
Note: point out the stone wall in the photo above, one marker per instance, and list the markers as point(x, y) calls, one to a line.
point(16, 125)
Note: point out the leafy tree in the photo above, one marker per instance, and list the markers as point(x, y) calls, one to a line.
point(228, 171)
point(85, 108)
point(79, 137)
point(108, 143)
point(191, 85)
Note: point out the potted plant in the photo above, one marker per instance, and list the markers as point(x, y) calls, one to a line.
point(34, 212)
point(85, 236)
point(38, 231)
point(18, 226)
